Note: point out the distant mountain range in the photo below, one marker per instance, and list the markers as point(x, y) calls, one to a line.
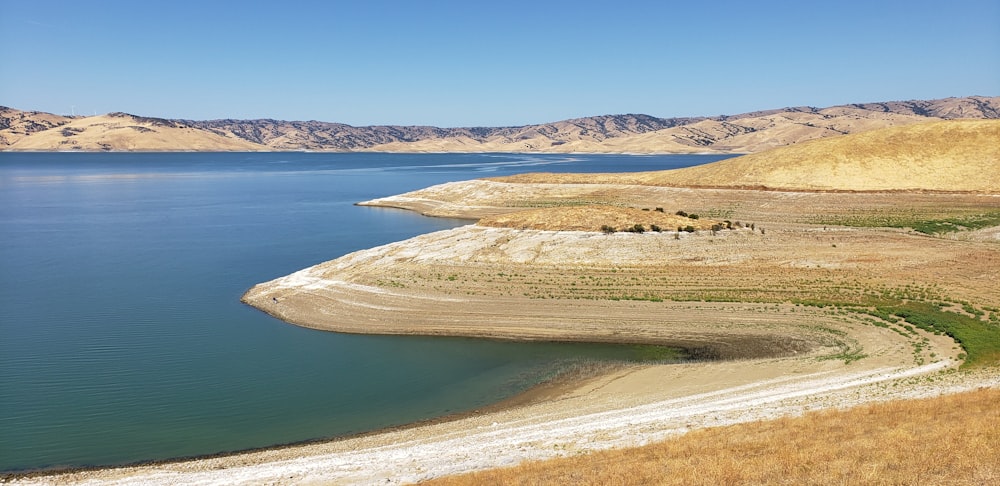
point(743, 133)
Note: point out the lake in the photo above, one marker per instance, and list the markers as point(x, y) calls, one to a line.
point(122, 337)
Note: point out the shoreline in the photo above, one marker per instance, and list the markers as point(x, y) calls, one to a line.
point(560, 384)
point(592, 414)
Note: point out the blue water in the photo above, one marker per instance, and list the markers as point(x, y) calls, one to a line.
point(122, 337)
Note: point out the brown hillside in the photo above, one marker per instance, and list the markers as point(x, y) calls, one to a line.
point(743, 133)
point(124, 132)
point(630, 133)
point(17, 124)
point(951, 156)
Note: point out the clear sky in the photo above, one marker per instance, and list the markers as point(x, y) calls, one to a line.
point(475, 63)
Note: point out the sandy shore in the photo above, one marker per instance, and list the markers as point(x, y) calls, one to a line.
point(627, 408)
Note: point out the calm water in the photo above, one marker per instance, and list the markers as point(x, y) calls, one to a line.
point(122, 337)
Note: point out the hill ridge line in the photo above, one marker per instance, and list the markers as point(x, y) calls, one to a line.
point(612, 133)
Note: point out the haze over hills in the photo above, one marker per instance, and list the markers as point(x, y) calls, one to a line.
point(633, 133)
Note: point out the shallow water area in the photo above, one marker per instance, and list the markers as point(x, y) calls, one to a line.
point(122, 337)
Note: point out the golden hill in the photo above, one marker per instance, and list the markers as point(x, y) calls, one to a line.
point(950, 156)
point(123, 132)
point(629, 133)
point(17, 124)
point(742, 134)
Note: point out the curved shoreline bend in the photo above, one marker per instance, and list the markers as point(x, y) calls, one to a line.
point(475, 281)
point(726, 295)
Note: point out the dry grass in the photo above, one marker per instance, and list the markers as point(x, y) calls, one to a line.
point(950, 156)
point(593, 218)
point(946, 440)
point(122, 132)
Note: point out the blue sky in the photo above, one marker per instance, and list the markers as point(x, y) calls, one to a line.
point(471, 63)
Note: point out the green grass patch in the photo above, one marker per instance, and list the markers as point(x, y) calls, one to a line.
point(979, 340)
point(927, 225)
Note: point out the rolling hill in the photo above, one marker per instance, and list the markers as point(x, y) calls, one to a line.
point(947, 156)
point(631, 133)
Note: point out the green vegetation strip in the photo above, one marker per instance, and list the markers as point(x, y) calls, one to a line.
point(950, 225)
point(980, 340)
point(929, 226)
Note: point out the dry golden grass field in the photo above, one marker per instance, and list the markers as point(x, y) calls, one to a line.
point(946, 440)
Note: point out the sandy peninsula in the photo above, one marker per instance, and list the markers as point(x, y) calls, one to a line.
point(791, 295)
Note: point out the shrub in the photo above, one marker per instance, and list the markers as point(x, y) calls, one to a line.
point(607, 229)
point(682, 214)
point(689, 229)
point(655, 228)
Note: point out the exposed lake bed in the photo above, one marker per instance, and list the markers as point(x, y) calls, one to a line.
point(123, 336)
